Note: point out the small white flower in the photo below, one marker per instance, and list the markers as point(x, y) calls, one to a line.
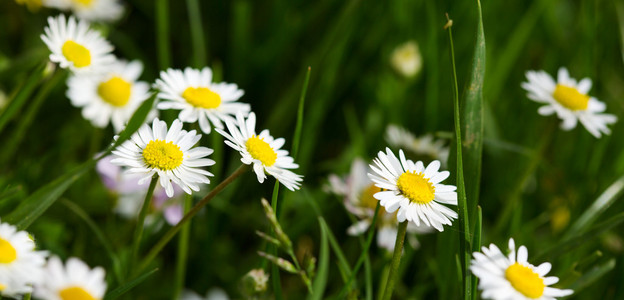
point(513, 277)
point(425, 146)
point(406, 59)
point(167, 153)
point(569, 100)
point(111, 96)
point(97, 10)
point(261, 151)
point(414, 190)
point(358, 191)
point(198, 98)
point(20, 265)
point(75, 46)
point(75, 280)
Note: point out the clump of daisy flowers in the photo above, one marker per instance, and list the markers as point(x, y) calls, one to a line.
point(569, 100)
point(512, 276)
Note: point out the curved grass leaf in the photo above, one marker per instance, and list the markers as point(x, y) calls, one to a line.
point(114, 294)
point(22, 95)
point(592, 275)
point(320, 280)
point(342, 261)
point(37, 203)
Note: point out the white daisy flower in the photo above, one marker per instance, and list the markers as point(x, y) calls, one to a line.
point(424, 147)
point(358, 191)
point(198, 98)
point(569, 100)
point(262, 151)
point(97, 10)
point(513, 277)
point(20, 265)
point(406, 59)
point(75, 280)
point(75, 46)
point(111, 96)
point(155, 150)
point(414, 190)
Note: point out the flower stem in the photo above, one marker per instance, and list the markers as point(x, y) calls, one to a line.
point(138, 232)
point(172, 232)
point(396, 260)
point(183, 243)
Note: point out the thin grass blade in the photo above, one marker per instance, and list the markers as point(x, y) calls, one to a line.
point(114, 294)
point(320, 280)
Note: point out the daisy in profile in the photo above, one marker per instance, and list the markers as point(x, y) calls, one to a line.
point(20, 265)
point(75, 46)
point(569, 100)
point(111, 96)
point(358, 191)
point(198, 98)
point(75, 280)
point(425, 148)
point(414, 190)
point(168, 154)
point(261, 151)
point(512, 276)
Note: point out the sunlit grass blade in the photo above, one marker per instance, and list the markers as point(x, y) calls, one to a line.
point(322, 274)
point(197, 33)
point(163, 41)
point(299, 126)
point(22, 95)
point(604, 201)
point(114, 294)
point(37, 203)
point(472, 120)
point(592, 275)
point(464, 224)
point(581, 238)
point(29, 115)
point(99, 235)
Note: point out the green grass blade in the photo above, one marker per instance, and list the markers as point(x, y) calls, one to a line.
point(99, 235)
point(580, 238)
point(37, 203)
point(320, 280)
point(472, 121)
point(619, 9)
point(197, 33)
point(604, 201)
point(476, 245)
point(22, 95)
point(342, 260)
point(299, 126)
point(275, 275)
point(592, 276)
point(114, 294)
point(163, 41)
point(464, 224)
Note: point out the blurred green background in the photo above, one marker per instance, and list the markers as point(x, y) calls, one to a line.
point(531, 172)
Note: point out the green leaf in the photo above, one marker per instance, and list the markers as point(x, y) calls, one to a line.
point(342, 261)
point(299, 126)
point(37, 203)
point(580, 238)
point(476, 246)
point(22, 95)
point(472, 120)
point(320, 281)
point(604, 201)
point(114, 294)
point(592, 275)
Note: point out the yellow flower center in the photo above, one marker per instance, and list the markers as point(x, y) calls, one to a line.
point(416, 187)
point(2, 287)
point(115, 91)
point(525, 281)
point(84, 2)
point(76, 53)
point(162, 155)
point(7, 252)
point(570, 97)
point(366, 199)
point(202, 97)
point(261, 150)
point(75, 293)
